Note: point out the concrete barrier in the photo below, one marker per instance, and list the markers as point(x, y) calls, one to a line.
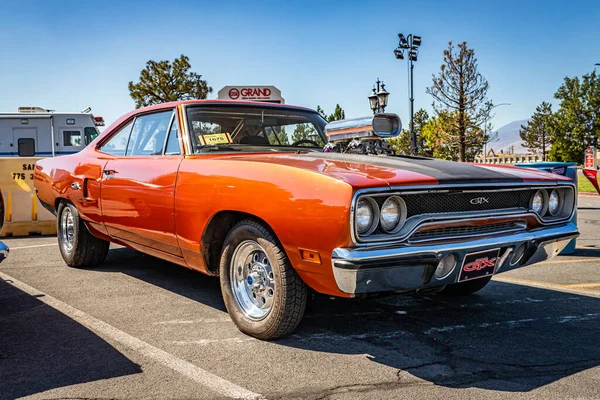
point(21, 211)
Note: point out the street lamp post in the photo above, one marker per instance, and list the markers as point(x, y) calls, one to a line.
point(411, 43)
point(485, 130)
point(378, 98)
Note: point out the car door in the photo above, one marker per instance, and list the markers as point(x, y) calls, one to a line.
point(138, 185)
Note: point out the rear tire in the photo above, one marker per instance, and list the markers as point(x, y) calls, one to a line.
point(263, 294)
point(466, 288)
point(78, 247)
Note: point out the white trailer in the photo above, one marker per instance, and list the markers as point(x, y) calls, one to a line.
point(26, 136)
point(36, 132)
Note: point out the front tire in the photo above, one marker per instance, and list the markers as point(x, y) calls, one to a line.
point(264, 296)
point(466, 288)
point(78, 247)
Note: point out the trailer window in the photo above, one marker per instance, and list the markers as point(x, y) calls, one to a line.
point(26, 147)
point(90, 134)
point(72, 138)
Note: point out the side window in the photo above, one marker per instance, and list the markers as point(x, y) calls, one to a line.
point(148, 134)
point(118, 143)
point(71, 138)
point(173, 146)
point(90, 134)
point(26, 147)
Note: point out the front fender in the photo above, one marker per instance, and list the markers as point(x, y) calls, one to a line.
point(306, 210)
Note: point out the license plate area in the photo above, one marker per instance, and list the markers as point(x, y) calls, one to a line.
point(479, 264)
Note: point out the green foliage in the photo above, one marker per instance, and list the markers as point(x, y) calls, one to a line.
point(338, 114)
point(440, 134)
point(162, 81)
point(537, 133)
point(460, 102)
point(576, 124)
point(401, 144)
point(279, 138)
point(304, 132)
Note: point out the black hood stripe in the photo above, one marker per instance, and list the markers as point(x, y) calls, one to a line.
point(445, 172)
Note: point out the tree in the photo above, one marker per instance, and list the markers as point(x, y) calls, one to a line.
point(577, 121)
point(303, 132)
point(439, 133)
point(536, 134)
point(460, 91)
point(162, 81)
point(338, 114)
point(279, 138)
point(401, 144)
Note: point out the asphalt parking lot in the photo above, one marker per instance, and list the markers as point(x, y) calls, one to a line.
point(138, 327)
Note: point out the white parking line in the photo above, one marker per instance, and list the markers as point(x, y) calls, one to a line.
point(33, 246)
point(194, 321)
point(547, 285)
point(197, 374)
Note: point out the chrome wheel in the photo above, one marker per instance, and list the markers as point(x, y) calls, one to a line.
point(67, 230)
point(251, 278)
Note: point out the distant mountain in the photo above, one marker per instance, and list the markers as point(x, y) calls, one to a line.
point(508, 136)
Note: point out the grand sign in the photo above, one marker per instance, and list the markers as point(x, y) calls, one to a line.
point(268, 94)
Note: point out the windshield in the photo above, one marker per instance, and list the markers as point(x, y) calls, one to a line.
point(244, 127)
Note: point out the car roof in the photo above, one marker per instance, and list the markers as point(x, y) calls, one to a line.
point(173, 104)
point(222, 102)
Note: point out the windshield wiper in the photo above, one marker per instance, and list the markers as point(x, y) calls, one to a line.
point(216, 147)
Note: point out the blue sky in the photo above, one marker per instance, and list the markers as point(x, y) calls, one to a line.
point(71, 55)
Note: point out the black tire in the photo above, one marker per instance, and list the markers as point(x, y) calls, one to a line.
point(466, 288)
point(86, 250)
point(290, 294)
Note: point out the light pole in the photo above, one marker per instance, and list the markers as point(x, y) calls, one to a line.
point(412, 44)
point(378, 98)
point(485, 129)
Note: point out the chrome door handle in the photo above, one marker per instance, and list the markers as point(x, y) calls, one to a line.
point(76, 185)
point(110, 173)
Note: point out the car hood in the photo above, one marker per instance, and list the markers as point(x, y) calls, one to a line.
point(362, 171)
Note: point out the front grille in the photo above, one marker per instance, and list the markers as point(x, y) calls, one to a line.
point(450, 202)
point(453, 232)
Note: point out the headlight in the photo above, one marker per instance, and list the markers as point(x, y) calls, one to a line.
point(392, 214)
point(365, 215)
point(554, 203)
point(538, 203)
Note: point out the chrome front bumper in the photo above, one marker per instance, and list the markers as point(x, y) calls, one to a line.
point(410, 267)
point(3, 251)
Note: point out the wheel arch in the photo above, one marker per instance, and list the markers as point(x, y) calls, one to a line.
point(213, 237)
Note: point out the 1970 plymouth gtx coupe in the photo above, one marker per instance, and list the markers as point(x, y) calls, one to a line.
point(274, 202)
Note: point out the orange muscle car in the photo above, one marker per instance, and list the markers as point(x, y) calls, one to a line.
point(274, 202)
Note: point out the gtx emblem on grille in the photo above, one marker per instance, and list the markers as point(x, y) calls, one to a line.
point(480, 200)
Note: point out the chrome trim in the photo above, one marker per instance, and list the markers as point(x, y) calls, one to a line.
point(188, 146)
point(375, 220)
point(444, 188)
point(402, 267)
point(559, 194)
point(164, 148)
point(522, 227)
point(402, 214)
point(544, 194)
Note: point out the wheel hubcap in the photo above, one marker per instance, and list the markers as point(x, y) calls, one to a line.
point(251, 277)
point(67, 230)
